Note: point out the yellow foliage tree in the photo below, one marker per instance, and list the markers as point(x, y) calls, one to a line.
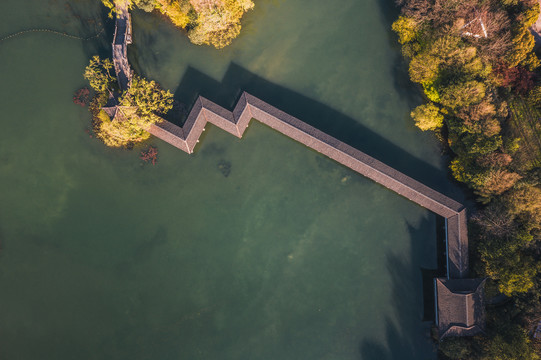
point(177, 11)
point(124, 130)
point(427, 117)
point(406, 28)
point(218, 22)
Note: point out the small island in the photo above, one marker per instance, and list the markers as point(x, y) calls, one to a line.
point(122, 118)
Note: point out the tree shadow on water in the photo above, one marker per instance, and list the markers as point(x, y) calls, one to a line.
point(389, 12)
point(407, 331)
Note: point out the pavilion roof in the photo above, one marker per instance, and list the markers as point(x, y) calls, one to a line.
point(460, 308)
point(116, 111)
point(120, 113)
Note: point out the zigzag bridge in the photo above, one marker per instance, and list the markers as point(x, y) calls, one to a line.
point(459, 300)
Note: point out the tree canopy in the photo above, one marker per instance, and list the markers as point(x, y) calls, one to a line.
point(208, 22)
point(134, 111)
point(98, 74)
point(427, 117)
point(475, 63)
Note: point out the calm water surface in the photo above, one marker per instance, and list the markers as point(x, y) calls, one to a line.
point(249, 249)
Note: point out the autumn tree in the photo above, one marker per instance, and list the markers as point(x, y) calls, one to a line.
point(218, 22)
point(98, 74)
point(406, 29)
point(147, 96)
point(209, 22)
point(427, 117)
point(124, 130)
point(462, 94)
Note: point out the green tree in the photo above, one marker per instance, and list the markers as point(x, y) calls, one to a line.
point(427, 117)
point(98, 74)
point(147, 96)
point(512, 343)
point(456, 348)
point(424, 68)
point(506, 260)
point(462, 94)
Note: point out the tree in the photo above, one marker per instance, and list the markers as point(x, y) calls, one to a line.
point(525, 204)
point(115, 133)
point(462, 94)
point(506, 261)
point(147, 96)
point(210, 22)
point(98, 74)
point(511, 343)
point(522, 51)
point(406, 28)
point(136, 113)
point(181, 13)
point(494, 221)
point(487, 181)
point(146, 5)
point(427, 117)
point(424, 68)
point(456, 348)
point(218, 23)
point(496, 182)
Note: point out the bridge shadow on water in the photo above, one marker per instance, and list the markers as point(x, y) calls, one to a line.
point(409, 272)
point(323, 117)
point(237, 79)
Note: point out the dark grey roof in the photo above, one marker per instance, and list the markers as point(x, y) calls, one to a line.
point(460, 308)
point(119, 113)
point(111, 111)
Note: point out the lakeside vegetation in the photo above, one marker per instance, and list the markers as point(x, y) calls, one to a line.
point(134, 110)
point(476, 64)
point(207, 22)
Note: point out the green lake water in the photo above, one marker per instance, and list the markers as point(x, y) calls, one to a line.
point(248, 249)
